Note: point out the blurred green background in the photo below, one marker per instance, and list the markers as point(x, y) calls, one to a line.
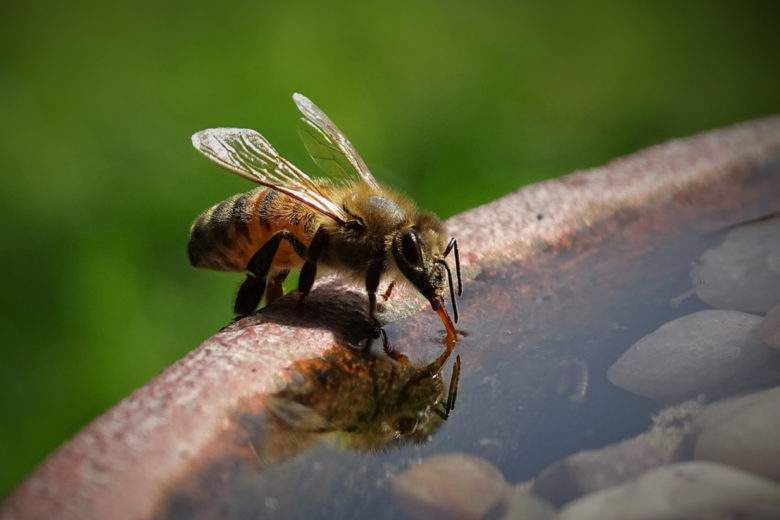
point(455, 103)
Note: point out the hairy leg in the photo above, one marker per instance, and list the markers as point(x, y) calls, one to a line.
point(309, 270)
point(373, 275)
point(251, 291)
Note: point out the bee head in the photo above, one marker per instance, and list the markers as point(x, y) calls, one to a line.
point(419, 252)
point(415, 259)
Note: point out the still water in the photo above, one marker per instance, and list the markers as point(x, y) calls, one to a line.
point(540, 335)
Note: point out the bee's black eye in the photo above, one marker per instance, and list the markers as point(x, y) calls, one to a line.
point(410, 247)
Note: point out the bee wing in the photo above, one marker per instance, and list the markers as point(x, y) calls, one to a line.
point(248, 154)
point(328, 146)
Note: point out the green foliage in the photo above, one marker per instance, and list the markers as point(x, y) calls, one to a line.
point(455, 103)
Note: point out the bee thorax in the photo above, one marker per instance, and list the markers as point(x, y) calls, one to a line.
point(390, 211)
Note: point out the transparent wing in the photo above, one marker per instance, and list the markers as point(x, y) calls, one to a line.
point(325, 155)
point(248, 154)
point(330, 148)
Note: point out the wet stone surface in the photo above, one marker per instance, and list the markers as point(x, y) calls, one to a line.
point(345, 430)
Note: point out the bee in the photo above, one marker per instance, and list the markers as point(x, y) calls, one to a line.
point(364, 403)
point(346, 222)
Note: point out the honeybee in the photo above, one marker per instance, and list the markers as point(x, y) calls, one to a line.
point(341, 400)
point(362, 402)
point(347, 222)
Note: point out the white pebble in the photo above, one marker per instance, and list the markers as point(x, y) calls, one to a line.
point(743, 272)
point(455, 485)
point(713, 352)
point(770, 327)
point(744, 433)
point(520, 504)
point(688, 491)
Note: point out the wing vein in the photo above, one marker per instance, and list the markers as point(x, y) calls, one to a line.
point(320, 135)
point(248, 154)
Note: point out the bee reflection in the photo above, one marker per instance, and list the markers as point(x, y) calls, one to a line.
point(354, 400)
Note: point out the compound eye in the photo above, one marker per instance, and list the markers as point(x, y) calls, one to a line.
point(410, 247)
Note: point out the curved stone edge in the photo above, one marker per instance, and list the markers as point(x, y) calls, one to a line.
point(119, 466)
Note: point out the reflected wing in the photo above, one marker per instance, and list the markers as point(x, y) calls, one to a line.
point(296, 415)
point(251, 156)
point(330, 148)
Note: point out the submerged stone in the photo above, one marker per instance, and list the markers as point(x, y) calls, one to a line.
point(744, 433)
point(713, 352)
point(770, 327)
point(743, 272)
point(687, 491)
point(592, 470)
point(520, 504)
point(454, 485)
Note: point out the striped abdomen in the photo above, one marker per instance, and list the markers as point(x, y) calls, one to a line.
point(225, 236)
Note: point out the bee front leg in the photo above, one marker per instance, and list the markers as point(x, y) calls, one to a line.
point(319, 243)
point(389, 291)
point(452, 393)
point(444, 409)
point(373, 275)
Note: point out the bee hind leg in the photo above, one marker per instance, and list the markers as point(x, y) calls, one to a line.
point(251, 291)
point(373, 275)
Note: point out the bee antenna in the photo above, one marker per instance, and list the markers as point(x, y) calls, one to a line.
point(452, 289)
point(454, 245)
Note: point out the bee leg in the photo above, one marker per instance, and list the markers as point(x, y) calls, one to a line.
point(249, 295)
point(373, 275)
point(452, 394)
point(443, 410)
point(309, 270)
point(251, 291)
point(388, 291)
point(391, 352)
point(378, 334)
point(274, 288)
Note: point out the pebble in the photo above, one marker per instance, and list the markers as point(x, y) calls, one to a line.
point(743, 272)
point(744, 433)
point(520, 504)
point(454, 485)
point(592, 470)
point(687, 491)
point(770, 328)
point(714, 352)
